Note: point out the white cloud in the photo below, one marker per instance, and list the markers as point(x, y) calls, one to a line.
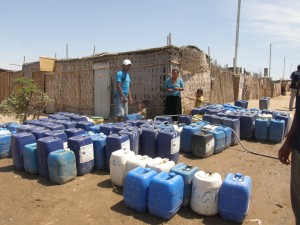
point(7, 66)
point(279, 20)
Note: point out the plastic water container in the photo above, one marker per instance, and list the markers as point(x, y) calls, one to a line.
point(72, 132)
point(200, 111)
point(234, 124)
point(207, 117)
point(186, 136)
point(106, 128)
point(136, 186)
point(234, 115)
point(55, 126)
point(213, 111)
point(85, 125)
point(149, 142)
point(134, 138)
point(164, 118)
point(136, 161)
point(67, 123)
point(228, 134)
point(116, 142)
point(203, 144)
point(30, 158)
point(168, 145)
point(82, 146)
point(58, 117)
point(264, 103)
point(187, 173)
point(215, 120)
point(219, 137)
point(60, 134)
point(247, 126)
point(234, 197)
point(241, 103)
point(12, 127)
point(117, 163)
point(160, 165)
point(31, 122)
point(78, 118)
point(18, 142)
point(62, 166)
point(95, 128)
point(268, 111)
point(205, 193)
point(40, 132)
point(276, 131)
point(165, 195)
point(261, 129)
point(5, 142)
point(186, 119)
point(287, 119)
point(99, 145)
point(44, 147)
point(25, 128)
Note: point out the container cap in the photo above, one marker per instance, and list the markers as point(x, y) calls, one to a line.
point(207, 179)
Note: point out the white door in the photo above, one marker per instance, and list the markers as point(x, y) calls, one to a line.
point(102, 91)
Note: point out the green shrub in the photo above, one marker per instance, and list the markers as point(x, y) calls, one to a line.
point(27, 101)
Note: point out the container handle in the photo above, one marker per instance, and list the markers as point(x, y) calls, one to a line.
point(188, 167)
point(239, 177)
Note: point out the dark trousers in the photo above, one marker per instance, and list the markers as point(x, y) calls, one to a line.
point(173, 106)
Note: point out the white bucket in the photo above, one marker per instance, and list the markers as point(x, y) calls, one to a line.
point(117, 165)
point(136, 161)
point(205, 193)
point(160, 165)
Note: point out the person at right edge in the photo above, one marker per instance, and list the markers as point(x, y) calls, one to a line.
point(294, 77)
point(173, 86)
point(291, 147)
point(122, 93)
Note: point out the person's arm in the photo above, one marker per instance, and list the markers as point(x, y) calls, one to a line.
point(286, 148)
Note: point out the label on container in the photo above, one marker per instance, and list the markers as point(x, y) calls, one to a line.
point(86, 153)
point(175, 145)
point(125, 145)
point(65, 145)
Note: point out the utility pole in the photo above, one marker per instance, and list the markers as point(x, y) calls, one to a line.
point(283, 69)
point(270, 59)
point(67, 51)
point(237, 37)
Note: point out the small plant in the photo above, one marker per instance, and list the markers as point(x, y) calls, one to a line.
point(26, 101)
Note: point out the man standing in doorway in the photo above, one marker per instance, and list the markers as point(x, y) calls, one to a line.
point(122, 93)
point(294, 85)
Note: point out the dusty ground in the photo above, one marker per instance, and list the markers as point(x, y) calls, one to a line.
point(91, 199)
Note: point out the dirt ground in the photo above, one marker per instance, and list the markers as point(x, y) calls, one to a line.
point(91, 199)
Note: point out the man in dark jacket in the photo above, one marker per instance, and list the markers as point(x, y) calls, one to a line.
point(294, 85)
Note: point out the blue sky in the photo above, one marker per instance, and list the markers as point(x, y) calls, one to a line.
point(36, 28)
